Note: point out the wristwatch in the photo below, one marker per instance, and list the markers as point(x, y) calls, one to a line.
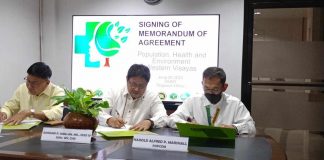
point(32, 113)
point(152, 123)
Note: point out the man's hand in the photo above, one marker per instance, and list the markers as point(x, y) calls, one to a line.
point(116, 122)
point(17, 118)
point(227, 126)
point(142, 126)
point(3, 116)
point(192, 120)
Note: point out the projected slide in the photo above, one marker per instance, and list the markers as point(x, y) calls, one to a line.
point(176, 48)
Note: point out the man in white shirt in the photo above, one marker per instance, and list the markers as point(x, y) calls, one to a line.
point(214, 107)
point(134, 104)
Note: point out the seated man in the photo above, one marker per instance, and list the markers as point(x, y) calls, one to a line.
point(214, 107)
point(134, 104)
point(33, 98)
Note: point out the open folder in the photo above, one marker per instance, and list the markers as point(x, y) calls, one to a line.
point(125, 133)
point(24, 125)
point(202, 135)
point(109, 132)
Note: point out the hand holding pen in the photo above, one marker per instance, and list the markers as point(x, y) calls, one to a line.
point(192, 120)
point(116, 122)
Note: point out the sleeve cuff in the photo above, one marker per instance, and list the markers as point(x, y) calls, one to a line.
point(103, 119)
point(235, 127)
point(152, 123)
point(53, 114)
point(6, 112)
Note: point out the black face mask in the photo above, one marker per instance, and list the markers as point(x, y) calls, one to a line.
point(213, 98)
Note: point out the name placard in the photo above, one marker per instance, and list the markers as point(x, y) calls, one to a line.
point(66, 135)
point(157, 142)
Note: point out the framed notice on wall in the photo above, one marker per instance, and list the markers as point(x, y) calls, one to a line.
point(176, 48)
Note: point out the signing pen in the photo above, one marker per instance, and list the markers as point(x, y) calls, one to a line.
point(118, 116)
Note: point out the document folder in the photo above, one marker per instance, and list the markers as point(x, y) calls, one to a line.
point(202, 135)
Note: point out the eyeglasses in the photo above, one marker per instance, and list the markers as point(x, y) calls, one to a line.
point(33, 83)
point(212, 91)
point(133, 85)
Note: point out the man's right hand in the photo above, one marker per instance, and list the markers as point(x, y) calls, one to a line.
point(115, 122)
point(3, 116)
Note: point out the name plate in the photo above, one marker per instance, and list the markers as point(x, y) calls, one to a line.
point(157, 142)
point(66, 135)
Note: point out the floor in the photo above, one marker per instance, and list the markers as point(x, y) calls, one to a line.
point(298, 144)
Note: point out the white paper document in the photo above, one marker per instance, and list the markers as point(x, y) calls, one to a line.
point(106, 128)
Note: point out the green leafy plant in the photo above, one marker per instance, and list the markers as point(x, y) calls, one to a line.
point(81, 101)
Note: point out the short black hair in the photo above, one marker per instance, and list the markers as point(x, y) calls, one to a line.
point(139, 70)
point(212, 72)
point(41, 70)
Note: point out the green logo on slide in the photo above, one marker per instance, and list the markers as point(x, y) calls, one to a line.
point(101, 41)
point(185, 95)
point(173, 96)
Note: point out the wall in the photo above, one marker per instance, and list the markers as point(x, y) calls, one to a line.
point(19, 42)
point(57, 32)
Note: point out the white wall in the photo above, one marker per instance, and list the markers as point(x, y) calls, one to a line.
point(23, 42)
point(58, 29)
point(19, 42)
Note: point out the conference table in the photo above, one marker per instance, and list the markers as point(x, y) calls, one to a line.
point(27, 144)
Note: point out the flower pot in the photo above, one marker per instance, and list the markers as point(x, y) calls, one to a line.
point(79, 121)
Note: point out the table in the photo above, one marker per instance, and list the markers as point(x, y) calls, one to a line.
point(27, 145)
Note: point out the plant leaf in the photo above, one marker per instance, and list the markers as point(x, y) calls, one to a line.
point(80, 101)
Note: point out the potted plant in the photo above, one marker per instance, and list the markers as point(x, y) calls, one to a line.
point(83, 109)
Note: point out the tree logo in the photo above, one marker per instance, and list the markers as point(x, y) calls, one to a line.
point(101, 41)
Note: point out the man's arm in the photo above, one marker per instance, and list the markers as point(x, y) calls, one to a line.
point(143, 125)
point(180, 115)
point(159, 115)
point(243, 121)
point(12, 106)
point(105, 115)
point(55, 112)
point(17, 118)
point(157, 112)
point(105, 118)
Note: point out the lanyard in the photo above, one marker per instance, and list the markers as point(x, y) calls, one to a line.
point(212, 122)
point(208, 114)
point(216, 115)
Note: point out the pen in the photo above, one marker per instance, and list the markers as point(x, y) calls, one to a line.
point(117, 113)
point(118, 116)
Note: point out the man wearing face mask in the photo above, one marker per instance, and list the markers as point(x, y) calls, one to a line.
point(214, 107)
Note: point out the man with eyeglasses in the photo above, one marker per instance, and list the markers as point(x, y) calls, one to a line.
point(214, 107)
point(134, 104)
point(32, 99)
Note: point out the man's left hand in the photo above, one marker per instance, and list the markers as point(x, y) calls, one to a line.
point(141, 126)
point(17, 118)
point(227, 126)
